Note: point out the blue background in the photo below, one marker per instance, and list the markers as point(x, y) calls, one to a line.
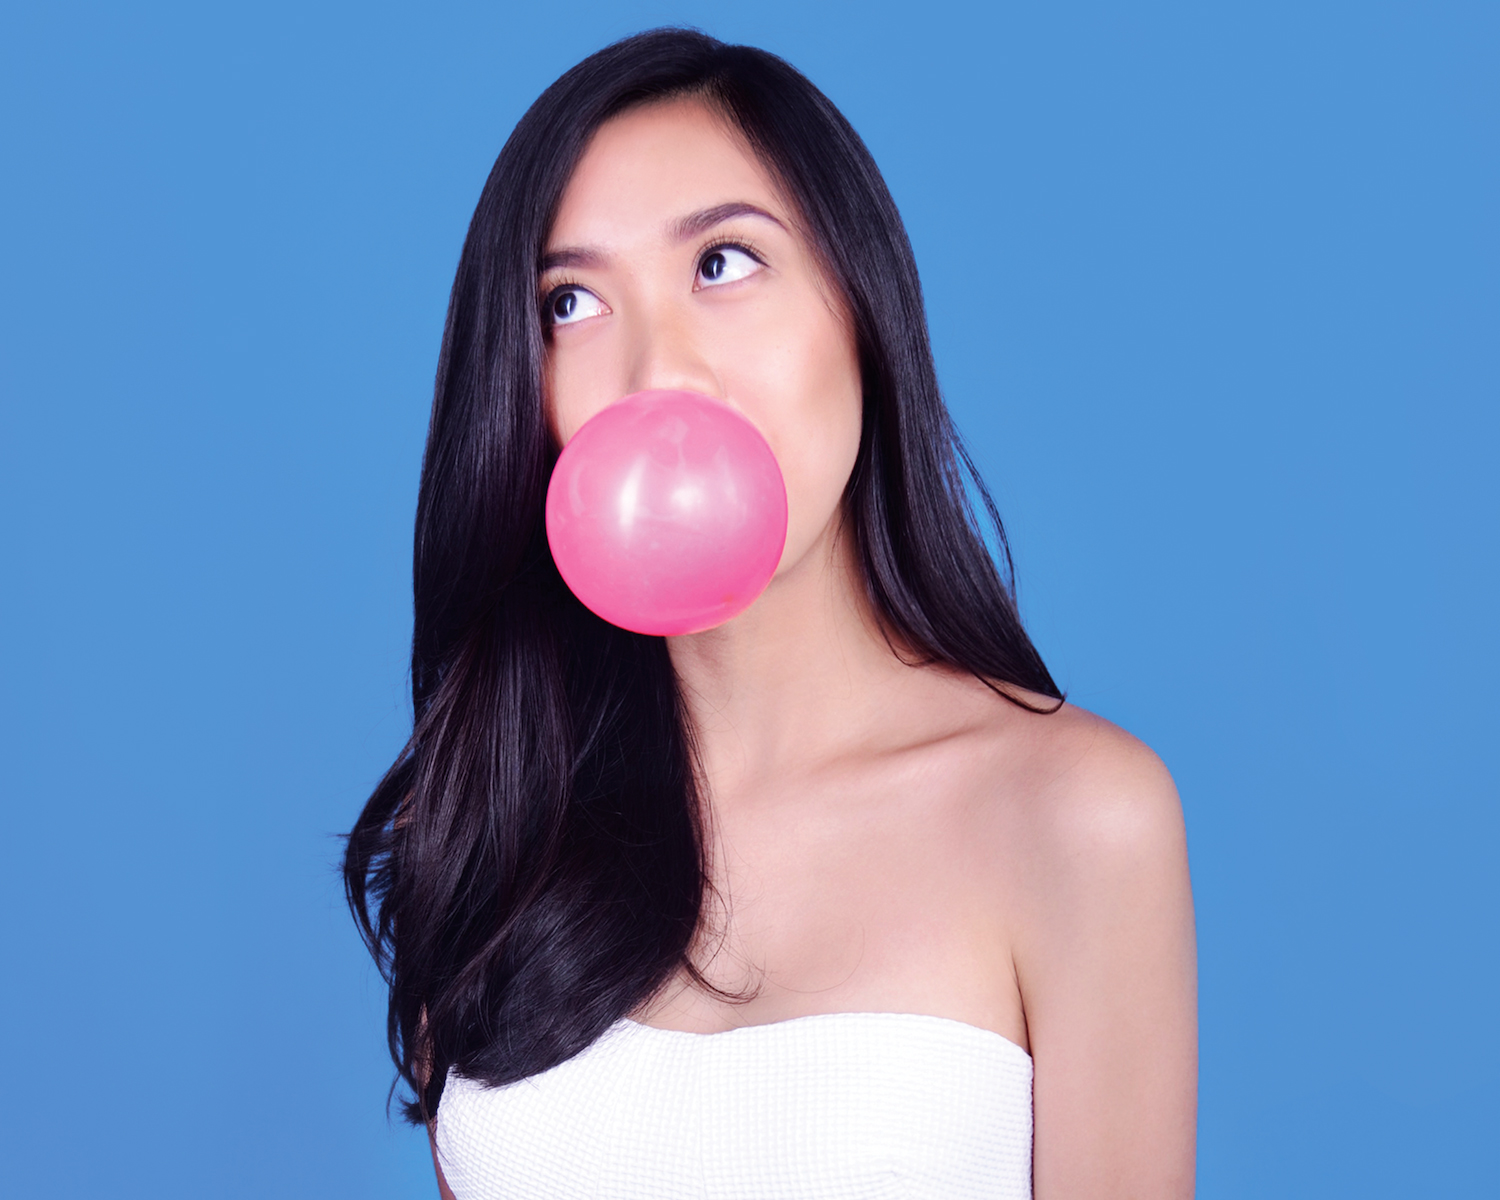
point(1214, 294)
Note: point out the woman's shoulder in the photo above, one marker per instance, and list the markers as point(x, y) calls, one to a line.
point(1085, 773)
point(1065, 793)
point(1081, 828)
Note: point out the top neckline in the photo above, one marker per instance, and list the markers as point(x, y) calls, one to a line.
point(948, 1022)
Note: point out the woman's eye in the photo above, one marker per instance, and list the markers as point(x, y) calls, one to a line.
point(569, 305)
point(725, 264)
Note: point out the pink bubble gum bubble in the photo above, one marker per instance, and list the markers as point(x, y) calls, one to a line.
point(666, 513)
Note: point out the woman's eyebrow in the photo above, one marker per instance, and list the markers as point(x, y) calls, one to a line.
point(571, 256)
point(706, 218)
point(680, 230)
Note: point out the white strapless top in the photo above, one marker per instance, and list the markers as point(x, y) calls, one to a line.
point(837, 1106)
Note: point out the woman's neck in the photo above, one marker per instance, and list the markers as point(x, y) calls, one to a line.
point(800, 677)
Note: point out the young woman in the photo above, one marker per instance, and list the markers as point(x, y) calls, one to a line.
point(838, 898)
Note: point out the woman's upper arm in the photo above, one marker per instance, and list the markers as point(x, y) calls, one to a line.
point(443, 1189)
point(1107, 966)
point(423, 1068)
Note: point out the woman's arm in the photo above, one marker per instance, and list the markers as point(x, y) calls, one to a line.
point(443, 1189)
point(424, 1074)
point(1107, 967)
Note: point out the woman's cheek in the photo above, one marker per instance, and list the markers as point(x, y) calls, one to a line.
point(816, 462)
point(805, 398)
point(582, 378)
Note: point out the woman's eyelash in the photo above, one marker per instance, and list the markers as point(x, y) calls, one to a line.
point(561, 285)
point(739, 244)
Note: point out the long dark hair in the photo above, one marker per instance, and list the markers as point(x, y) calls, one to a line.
point(532, 867)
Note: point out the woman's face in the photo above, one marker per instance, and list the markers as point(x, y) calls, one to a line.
point(675, 262)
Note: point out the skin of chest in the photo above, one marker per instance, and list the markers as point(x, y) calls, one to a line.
point(873, 883)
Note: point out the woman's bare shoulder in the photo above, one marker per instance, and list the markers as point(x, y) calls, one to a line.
point(1052, 792)
point(1068, 794)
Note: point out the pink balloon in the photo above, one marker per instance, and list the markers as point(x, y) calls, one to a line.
point(666, 513)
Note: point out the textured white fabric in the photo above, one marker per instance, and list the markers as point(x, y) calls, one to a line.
point(838, 1106)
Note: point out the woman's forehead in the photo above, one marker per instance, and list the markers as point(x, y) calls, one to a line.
point(648, 170)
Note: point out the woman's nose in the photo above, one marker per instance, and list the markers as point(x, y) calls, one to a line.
point(665, 355)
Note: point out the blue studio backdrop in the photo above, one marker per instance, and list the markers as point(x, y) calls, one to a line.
point(1214, 294)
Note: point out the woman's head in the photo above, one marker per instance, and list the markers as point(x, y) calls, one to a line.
point(675, 261)
point(592, 156)
point(535, 856)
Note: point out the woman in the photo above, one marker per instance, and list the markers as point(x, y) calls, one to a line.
point(839, 898)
